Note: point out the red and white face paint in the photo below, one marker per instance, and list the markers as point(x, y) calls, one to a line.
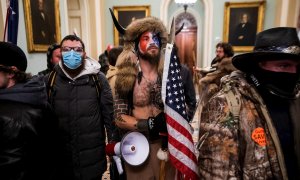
point(148, 41)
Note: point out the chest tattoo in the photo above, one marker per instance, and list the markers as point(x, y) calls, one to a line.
point(148, 93)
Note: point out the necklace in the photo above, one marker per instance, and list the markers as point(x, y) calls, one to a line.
point(141, 75)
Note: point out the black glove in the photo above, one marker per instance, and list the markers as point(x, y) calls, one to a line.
point(157, 126)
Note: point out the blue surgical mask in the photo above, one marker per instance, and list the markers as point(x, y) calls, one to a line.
point(72, 59)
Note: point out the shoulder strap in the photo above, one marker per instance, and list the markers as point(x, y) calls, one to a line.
point(232, 95)
point(97, 83)
point(51, 80)
point(234, 103)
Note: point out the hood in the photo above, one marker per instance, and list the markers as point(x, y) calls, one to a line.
point(32, 92)
point(91, 66)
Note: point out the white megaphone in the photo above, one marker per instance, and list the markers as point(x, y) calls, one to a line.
point(134, 150)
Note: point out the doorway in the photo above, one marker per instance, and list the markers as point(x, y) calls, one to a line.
point(186, 40)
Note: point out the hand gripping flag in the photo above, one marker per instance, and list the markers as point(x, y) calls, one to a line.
point(180, 142)
point(12, 22)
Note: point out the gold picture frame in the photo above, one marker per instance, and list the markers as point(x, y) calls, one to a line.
point(242, 21)
point(42, 24)
point(124, 15)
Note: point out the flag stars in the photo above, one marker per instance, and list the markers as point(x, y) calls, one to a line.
point(175, 92)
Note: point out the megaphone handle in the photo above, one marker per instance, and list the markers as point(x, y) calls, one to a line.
point(117, 159)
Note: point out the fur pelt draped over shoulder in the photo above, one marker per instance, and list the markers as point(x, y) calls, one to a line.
point(210, 82)
point(126, 76)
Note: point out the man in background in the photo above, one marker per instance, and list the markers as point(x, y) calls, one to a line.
point(103, 59)
point(221, 65)
point(112, 71)
point(53, 58)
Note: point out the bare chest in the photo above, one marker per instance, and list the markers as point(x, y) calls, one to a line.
point(147, 93)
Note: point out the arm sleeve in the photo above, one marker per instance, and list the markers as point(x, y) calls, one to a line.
point(218, 141)
point(106, 106)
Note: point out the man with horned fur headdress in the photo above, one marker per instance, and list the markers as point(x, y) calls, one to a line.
point(138, 102)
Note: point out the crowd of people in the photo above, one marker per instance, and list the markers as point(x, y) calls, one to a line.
point(58, 124)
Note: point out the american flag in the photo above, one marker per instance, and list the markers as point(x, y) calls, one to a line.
point(180, 142)
point(12, 22)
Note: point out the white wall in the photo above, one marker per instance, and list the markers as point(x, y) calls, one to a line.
point(36, 61)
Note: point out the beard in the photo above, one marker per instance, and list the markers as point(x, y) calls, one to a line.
point(152, 58)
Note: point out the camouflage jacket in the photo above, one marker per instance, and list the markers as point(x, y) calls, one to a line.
point(245, 147)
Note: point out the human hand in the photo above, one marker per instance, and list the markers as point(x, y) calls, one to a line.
point(124, 121)
point(157, 125)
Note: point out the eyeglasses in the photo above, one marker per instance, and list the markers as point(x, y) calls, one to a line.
point(67, 48)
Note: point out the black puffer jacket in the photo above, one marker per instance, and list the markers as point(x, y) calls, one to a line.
point(82, 123)
point(26, 132)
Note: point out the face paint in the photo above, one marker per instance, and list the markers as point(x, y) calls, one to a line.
point(147, 41)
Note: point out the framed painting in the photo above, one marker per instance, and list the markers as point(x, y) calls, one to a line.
point(125, 15)
point(42, 24)
point(242, 21)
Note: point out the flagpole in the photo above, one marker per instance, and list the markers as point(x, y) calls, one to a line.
point(6, 23)
point(162, 172)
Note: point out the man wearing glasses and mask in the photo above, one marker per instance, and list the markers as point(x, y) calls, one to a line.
point(81, 98)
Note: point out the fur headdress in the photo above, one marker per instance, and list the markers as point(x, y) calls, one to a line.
point(139, 26)
point(127, 61)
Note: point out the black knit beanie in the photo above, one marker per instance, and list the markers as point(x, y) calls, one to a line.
point(12, 55)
